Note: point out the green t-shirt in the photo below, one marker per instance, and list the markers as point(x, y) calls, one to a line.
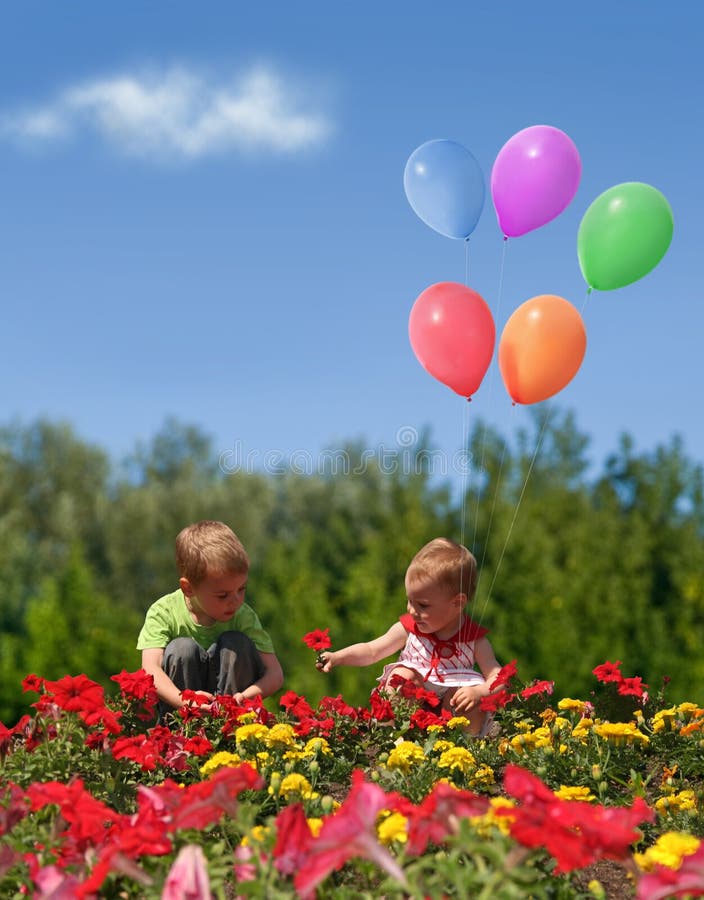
point(168, 618)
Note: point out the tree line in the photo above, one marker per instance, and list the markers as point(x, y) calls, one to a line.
point(575, 568)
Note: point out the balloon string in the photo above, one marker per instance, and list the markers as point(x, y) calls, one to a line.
point(490, 391)
point(586, 298)
point(488, 532)
point(518, 504)
point(464, 457)
point(466, 262)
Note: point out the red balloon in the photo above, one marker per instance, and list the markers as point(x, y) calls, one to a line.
point(452, 333)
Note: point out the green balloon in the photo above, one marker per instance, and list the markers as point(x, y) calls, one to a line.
point(623, 235)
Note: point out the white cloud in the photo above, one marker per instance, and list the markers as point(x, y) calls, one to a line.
point(177, 114)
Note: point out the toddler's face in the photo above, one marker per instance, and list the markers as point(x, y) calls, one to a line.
point(218, 597)
point(434, 608)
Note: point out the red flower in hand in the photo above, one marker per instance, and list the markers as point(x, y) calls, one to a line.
point(318, 640)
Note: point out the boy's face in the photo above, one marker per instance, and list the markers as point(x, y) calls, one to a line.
point(217, 598)
point(434, 607)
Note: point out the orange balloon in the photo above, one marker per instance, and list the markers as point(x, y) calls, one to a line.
point(541, 348)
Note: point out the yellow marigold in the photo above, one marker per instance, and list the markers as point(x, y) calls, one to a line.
point(252, 732)
point(689, 709)
point(621, 733)
point(280, 736)
point(457, 758)
point(560, 722)
point(441, 746)
point(668, 850)
point(257, 835)
point(489, 821)
point(664, 720)
point(582, 729)
point(569, 705)
point(567, 792)
point(315, 824)
point(548, 716)
point(294, 755)
point(541, 737)
point(458, 722)
point(392, 827)
point(483, 775)
point(218, 760)
point(680, 802)
point(404, 756)
point(294, 784)
point(317, 745)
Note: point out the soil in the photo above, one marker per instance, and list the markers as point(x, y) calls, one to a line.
point(612, 877)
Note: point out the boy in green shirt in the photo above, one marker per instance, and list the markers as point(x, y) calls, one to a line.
point(203, 637)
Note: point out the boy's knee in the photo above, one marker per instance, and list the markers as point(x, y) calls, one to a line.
point(182, 648)
point(234, 640)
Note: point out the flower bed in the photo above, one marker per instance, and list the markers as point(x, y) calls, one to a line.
point(599, 797)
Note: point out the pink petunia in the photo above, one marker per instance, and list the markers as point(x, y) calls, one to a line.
point(293, 839)
point(663, 882)
point(188, 876)
point(349, 833)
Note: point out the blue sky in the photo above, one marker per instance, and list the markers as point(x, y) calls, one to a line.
point(202, 213)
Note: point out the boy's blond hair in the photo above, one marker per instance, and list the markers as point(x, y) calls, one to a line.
point(209, 548)
point(445, 563)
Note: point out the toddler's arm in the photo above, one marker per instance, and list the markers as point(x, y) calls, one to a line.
point(466, 698)
point(365, 654)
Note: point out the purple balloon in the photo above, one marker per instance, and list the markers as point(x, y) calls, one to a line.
point(535, 176)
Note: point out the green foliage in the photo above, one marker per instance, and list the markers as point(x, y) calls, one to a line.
point(573, 571)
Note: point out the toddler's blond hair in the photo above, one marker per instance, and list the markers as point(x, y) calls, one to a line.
point(446, 563)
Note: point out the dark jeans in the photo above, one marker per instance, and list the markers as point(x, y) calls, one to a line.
point(229, 665)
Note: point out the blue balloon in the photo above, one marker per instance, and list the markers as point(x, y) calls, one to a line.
point(445, 187)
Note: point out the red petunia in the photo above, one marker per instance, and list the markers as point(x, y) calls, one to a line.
point(381, 707)
point(318, 640)
point(608, 671)
point(505, 675)
point(423, 718)
point(437, 815)
point(576, 834)
point(538, 687)
point(76, 693)
point(632, 687)
point(495, 701)
point(296, 704)
point(33, 683)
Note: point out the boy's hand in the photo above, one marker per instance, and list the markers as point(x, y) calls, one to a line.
point(325, 660)
point(197, 698)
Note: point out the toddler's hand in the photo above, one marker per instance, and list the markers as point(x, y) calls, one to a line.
point(466, 698)
point(324, 660)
